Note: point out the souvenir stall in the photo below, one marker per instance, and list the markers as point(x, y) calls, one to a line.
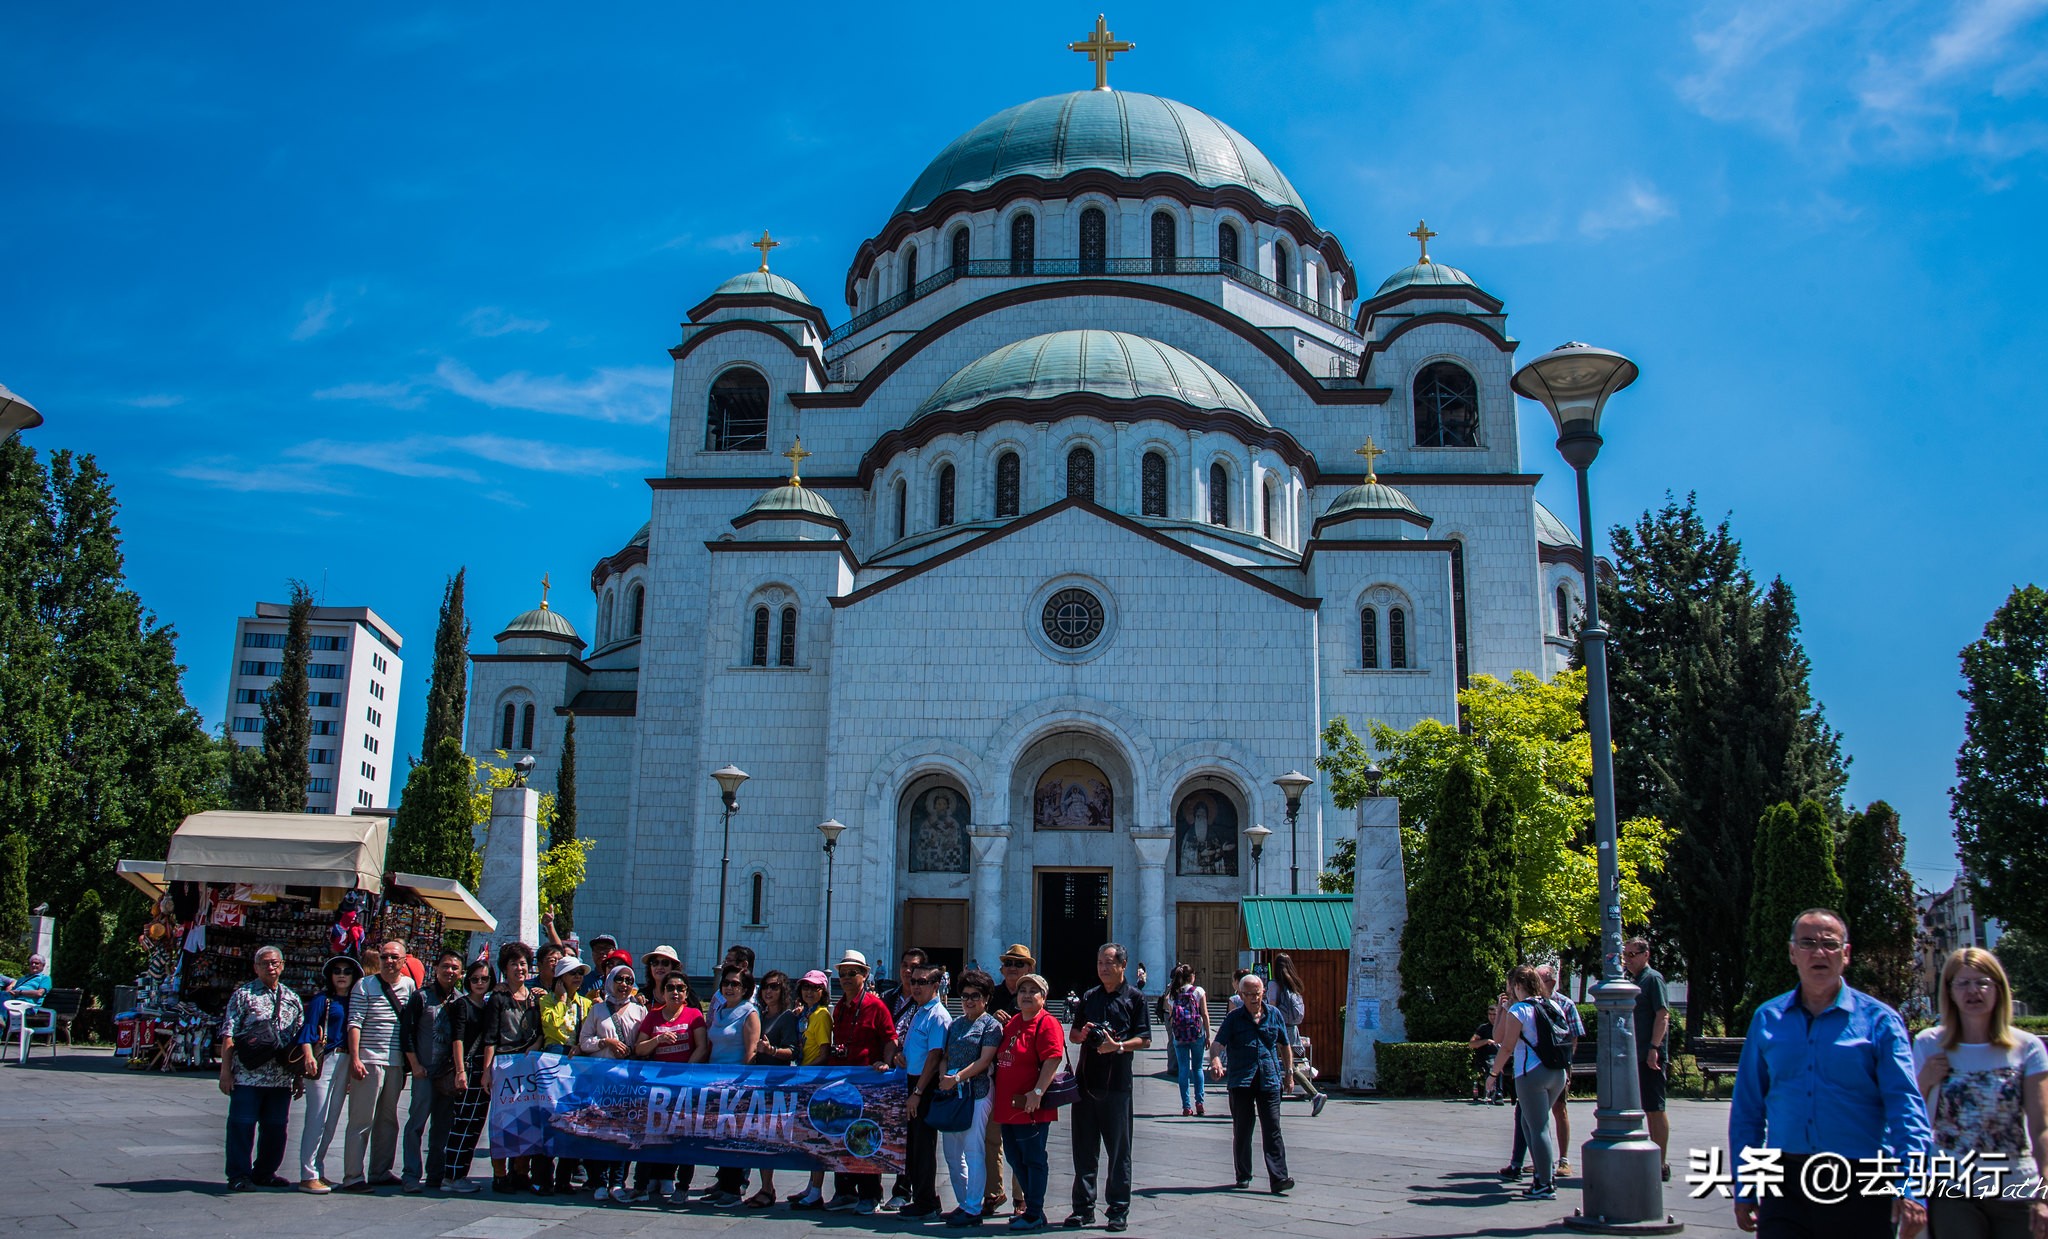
point(309, 884)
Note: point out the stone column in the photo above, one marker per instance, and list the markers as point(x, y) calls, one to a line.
point(985, 942)
point(42, 933)
point(1379, 908)
point(1153, 847)
point(510, 886)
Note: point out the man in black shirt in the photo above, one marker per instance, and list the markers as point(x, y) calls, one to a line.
point(1111, 1024)
point(1653, 1027)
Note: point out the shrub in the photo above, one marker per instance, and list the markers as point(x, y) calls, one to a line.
point(1425, 1068)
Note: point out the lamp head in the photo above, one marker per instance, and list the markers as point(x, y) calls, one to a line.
point(1258, 835)
point(1293, 784)
point(16, 413)
point(831, 828)
point(729, 780)
point(1374, 776)
point(522, 768)
point(1573, 381)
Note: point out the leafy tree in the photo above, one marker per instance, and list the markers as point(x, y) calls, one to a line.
point(2000, 800)
point(275, 780)
point(447, 683)
point(13, 892)
point(1795, 870)
point(81, 941)
point(1458, 942)
point(1715, 723)
point(2025, 958)
point(564, 831)
point(1339, 874)
point(1877, 897)
point(433, 833)
point(1528, 744)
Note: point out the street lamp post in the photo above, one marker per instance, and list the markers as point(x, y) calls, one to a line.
point(1624, 1193)
point(831, 829)
point(729, 780)
point(1258, 835)
point(16, 413)
point(1292, 784)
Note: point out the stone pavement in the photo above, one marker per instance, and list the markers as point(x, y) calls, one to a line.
point(91, 1147)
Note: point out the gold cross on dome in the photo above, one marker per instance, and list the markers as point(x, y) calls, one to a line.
point(543, 591)
point(1422, 234)
point(764, 245)
point(797, 455)
point(1372, 454)
point(1101, 47)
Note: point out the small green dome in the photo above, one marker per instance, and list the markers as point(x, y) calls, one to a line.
point(1425, 273)
point(540, 622)
point(1551, 531)
point(793, 499)
point(1119, 131)
point(1112, 364)
point(757, 283)
point(640, 539)
point(1370, 499)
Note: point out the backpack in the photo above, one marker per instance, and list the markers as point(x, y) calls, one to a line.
point(1289, 1004)
point(1184, 1017)
point(1553, 1033)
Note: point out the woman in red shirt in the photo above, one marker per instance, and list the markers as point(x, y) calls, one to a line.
point(1032, 1051)
point(674, 1032)
point(863, 1035)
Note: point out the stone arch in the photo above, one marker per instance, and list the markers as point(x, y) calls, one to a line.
point(1118, 729)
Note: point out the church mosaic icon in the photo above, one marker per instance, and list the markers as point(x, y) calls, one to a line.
point(1073, 795)
point(1205, 835)
point(938, 831)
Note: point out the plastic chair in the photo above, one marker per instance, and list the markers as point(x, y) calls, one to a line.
point(27, 1021)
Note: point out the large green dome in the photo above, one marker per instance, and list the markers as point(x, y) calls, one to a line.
point(760, 282)
point(1115, 365)
point(1118, 131)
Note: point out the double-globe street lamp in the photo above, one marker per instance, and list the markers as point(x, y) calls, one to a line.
point(729, 780)
point(831, 828)
point(1624, 1192)
point(1292, 785)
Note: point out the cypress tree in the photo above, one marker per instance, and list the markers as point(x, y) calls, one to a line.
point(1458, 942)
point(281, 775)
point(432, 834)
point(447, 691)
point(2000, 800)
point(13, 892)
point(564, 828)
point(1878, 899)
point(1795, 870)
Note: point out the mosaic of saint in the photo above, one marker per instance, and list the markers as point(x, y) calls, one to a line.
point(1205, 835)
point(938, 831)
point(1073, 795)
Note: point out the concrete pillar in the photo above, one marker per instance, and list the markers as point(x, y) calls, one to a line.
point(985, 942)
point(42, 933)
point(1379, 908)
point(1153, 848)
point(510, 886)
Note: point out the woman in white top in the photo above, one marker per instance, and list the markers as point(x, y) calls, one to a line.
point(609, 1032)
point(1537, 1087)
point(1986, 1085)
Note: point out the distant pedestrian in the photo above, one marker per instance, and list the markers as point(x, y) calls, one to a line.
point(1030, 1056)
point(1187, 1023)
point(1483, 1046)
point(1252, 1056)
point(323, 1057)
point(1653, 1045)
point(1542, 1066)
point(1111, 1024)
point(257, 1031)
point(1986, 1085)
point(1290, 998)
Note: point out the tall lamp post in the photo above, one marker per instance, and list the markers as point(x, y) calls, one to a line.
point(831, 828)
point(1292, 784)
point(1258, 836)
point(16, 413)
point(1624, 1193)
point(729, 780)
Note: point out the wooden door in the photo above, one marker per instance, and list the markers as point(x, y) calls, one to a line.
point(1207, 936)
point(939, 926)
point(1323, 979)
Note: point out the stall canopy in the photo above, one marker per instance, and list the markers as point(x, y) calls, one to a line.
point(1298, 923)
point(458, 908)
point(282, 849)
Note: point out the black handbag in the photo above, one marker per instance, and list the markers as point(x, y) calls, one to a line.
point(262, 1042)
point(949, 1112)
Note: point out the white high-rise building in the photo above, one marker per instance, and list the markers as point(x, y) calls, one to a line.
point(353, 672)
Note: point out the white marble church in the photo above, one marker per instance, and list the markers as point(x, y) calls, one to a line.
point(1111, 490)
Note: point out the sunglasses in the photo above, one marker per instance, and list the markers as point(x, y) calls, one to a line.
point(1008, 966)
point(625, 981)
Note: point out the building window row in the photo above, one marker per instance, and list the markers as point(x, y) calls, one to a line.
point(251, 667)
point(377, 661)
point(320, 757)
point(325, 671)
point(376, 690)
point(785, 638)
point(327, 643)
point(376, 718)
point(319, 785)
point(523, 717)
point(370, 743)
point(263, 640)
point(1396, 649)
point(325, 727)
point(249, 724)
point(363, 797)
point(328, 700)
point(369, 771)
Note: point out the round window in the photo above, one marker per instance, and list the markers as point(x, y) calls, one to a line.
point(1072, 619)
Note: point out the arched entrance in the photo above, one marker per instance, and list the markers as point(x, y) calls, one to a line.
point(1071, 802)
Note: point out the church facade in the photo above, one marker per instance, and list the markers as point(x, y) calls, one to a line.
point(1036, 571)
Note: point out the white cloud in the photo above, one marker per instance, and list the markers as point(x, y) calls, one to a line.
point(636, 395)
point(545, 457)
point(491, 320)
point(316, 317)
point(424, 456)
point(404, 458)
point(1637, 204)
point(227, 473)
point(397, 395)
point(154, 400)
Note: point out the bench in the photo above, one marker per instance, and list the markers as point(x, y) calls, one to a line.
point(1585, 1059)
point(64, 1005)
point(1716, 1056)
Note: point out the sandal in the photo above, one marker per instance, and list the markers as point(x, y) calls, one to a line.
point(760, 1200)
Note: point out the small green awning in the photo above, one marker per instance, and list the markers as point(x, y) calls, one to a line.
point(1298, 923)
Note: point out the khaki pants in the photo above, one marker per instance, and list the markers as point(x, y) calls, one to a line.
point(372, 1121)
point(992, 1184)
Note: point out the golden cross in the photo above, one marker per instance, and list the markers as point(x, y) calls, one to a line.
point(764, 245)
point(1372, 456)
point(797, 455)
point(1422, 234)
point(543, 591)
point(1101, 47)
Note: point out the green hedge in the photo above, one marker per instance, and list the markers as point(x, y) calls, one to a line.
point(1424, 1068)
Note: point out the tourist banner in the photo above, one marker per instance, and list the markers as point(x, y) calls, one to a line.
point(844, 1119)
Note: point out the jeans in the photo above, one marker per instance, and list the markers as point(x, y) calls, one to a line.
point(1102, 1125)
point(965, 1165)
point(431, 1113)
point(1187, 1064)
point(324, 1104)
point(258, 1117)
point(1537, 1090)
point(1249, 1106)
point(419, 1110)
point(1024, 1146)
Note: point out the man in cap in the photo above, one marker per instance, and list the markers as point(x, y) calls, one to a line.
point(863, 1035)
point(1017, 963)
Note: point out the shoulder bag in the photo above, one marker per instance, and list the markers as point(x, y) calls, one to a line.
point(262, 1041)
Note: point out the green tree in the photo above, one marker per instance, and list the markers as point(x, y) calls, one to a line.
point(81, 942)
point(1458, 942)
point(276, 781)
point(447, 683)
point(564, 831)
point(1877, 897)
point(2025, 958)
point(2000, 800)
point(1715, 723)
point(1795, 870)
point(13, 893)
point(432, 834)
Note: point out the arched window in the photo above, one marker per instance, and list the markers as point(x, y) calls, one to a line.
point(875, 288)
point(1023, 242)
point(960, 247)
point(505, 732)
point(604, 618)
point(1152, 485)
point(1219, 494)
point(1564, 612)
point(1283, 266)
point(1446, 407)
point(526, 726)
point(902, 508)
point(1226, 242)
point(910, 270)
point(760, 651)
point(1081, 474)
point(1266, 511)
point(1164, 241)
point(1397, 638)
point(737, 420)
point(1459, 629)
point(1008, 484)
point(1094, 241)
point(785, 649)
point(944, 506)
point(637, 598)
point(757, 898)
point(1369, 638)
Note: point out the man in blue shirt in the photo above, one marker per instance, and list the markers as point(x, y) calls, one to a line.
point(1826, 1070)
point(32, 989)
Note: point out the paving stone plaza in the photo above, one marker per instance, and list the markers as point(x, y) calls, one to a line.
point(100, 1150)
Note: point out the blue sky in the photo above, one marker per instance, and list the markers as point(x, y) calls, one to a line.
point(360, 298)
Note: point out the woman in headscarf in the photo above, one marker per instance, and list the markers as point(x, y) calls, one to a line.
point(674, 1032)
point(609, 1030)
